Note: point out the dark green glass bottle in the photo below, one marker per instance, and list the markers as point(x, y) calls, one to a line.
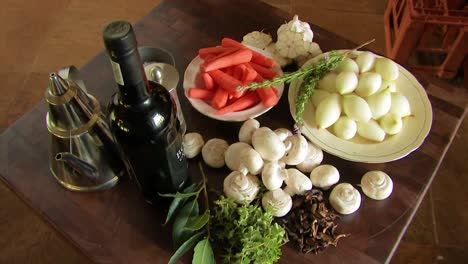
point(143, 119)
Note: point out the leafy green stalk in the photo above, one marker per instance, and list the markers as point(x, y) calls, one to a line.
point(189, 220)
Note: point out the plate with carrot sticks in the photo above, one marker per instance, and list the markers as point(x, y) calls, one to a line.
point(212, 78)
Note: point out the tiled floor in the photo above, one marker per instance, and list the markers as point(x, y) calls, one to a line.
point(40, 36)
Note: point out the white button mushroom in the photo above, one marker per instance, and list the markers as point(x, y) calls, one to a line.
point(251, 160)
point(232, 155)
point(283, 133)
point(192, 144)
point(297, 182)
point(345, 199)
point(277, 202)
point(313, 159)
point(324, 176)
point(241, 188)
point(247, 129)
point(273, 175)
point(213, 152)
point(268, 144)
point(377, 185)
point(297, 153)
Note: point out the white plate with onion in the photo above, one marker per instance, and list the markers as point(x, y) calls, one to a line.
point(415, 127)
point(192, 78)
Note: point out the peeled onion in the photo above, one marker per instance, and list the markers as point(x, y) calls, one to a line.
point(390, 85)
point(318, 96)
point(369, 83)
point(356, 108)
point(400, 105)
point(365, 60)
point(380, 103)
point(348, 65)
point(345, 128)
point(328, 111)
point(387, 68)
point(328, 82)
point(391, 123)
point(346, 82)
point(371, 130)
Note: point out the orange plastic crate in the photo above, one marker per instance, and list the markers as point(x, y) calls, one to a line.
point(430, 35)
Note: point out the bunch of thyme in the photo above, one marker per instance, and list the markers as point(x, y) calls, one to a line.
point(310, 75)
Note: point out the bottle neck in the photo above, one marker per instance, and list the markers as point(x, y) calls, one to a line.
point(130, 76)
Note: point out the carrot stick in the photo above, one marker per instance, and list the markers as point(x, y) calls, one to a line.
point(256, 57)
point(200, 93)
point(203, 52)
point(249, 75)
point(238, 72)
point(209, 83)
point(240, 56)
point(220, 98)
point(230, 71)
point(246, 101)
point(263, 71)
point(267, 95)
point(225, 81)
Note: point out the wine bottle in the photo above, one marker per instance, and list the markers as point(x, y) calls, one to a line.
point(142, 118)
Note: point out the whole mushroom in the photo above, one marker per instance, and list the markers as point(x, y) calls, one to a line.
point(297, 182)
point(247, 129)
point(251, 161)
point(278, 202)
point(297, 153)
point(268, 144)
point(345, 199)
point(241, 188)
point(273, 175)
point(313, 159)
point(213, 152)
point(324, 176)
point(377, 185)
point(192, 144)
point(232, 156)
point(283, 133)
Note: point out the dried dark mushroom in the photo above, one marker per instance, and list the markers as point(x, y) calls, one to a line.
point(311, 224)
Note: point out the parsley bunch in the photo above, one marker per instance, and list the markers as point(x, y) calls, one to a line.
point(247, 233)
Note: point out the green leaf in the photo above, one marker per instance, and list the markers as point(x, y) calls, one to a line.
point(203, 253)
point(198, 222)
point(178, 194)
point(186, 246)
point(189, 211)
point(178, 202)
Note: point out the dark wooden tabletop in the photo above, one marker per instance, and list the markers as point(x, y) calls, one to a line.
point(117, 226)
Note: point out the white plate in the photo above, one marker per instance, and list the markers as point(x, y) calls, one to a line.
point(192, 78)
point(415, 127)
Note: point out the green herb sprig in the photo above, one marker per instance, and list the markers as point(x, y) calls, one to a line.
point(190, 228)
point(247, 233)
point(310, 75)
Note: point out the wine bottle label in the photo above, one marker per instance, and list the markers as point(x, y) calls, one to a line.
point(117, 72)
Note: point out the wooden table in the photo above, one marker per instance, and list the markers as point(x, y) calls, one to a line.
point(117, 226)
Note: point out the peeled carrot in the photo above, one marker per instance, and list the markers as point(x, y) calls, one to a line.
point(225, 81)
point(268, 96)
point(263, 71)
point(230, 71)
point(238, 71)
point(246, 101)
point(220, 98)
point(256, 57)
point(249, 75)
point(200, 93)
point(203, 52)
point(240, 56)
point(209, 83)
